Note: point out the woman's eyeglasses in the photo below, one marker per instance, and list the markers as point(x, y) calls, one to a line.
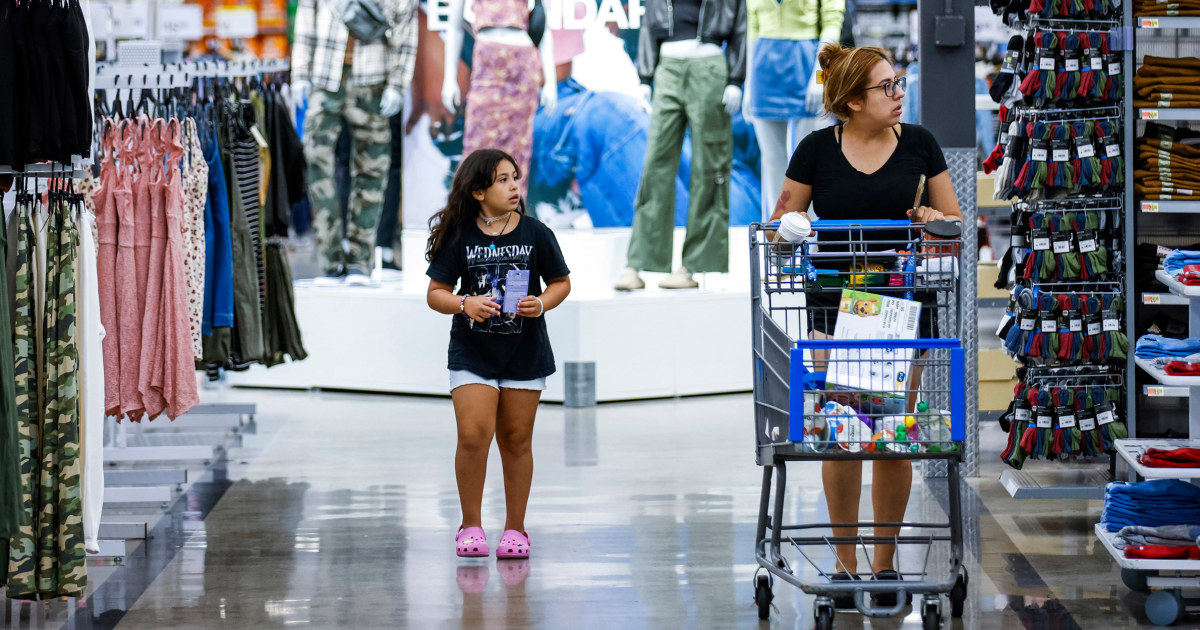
point(889, 88)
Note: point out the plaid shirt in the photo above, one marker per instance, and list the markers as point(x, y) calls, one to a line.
point(319, 52)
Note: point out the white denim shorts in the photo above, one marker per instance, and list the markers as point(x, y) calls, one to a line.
point(458, 378)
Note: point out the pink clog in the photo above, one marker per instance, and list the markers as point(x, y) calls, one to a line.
point(513, 544)
point(472, 543)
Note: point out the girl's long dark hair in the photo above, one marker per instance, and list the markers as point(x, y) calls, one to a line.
point(476, 172)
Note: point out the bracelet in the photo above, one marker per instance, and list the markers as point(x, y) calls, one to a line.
point(462, 306)
point(542, 304)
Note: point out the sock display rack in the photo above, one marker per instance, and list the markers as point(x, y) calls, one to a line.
point(1061, 154)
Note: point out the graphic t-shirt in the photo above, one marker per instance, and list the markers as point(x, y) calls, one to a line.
point(507, 346)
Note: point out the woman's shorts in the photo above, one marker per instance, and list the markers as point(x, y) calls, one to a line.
point(458, 378)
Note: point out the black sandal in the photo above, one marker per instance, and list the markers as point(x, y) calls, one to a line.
point(888, 600)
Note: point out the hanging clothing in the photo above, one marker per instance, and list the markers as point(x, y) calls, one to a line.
point(195, 185)
point(10, 462)
point(319, 50)
point(91, 382)
point(218, 262)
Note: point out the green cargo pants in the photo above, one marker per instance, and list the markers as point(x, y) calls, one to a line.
point(372, 150)
point(687, 94)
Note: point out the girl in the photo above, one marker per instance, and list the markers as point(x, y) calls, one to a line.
point(499, 354)
point(868, 166)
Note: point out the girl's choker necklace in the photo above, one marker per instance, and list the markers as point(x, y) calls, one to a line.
point(490, 220)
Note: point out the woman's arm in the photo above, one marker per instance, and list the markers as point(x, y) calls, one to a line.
point(441, 298)
point(943, 203)
point(794, 197)
point(556, 291)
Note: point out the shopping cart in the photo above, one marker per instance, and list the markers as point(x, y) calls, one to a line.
point(819, 398)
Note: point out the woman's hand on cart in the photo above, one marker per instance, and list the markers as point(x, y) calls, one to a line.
point(925, 214)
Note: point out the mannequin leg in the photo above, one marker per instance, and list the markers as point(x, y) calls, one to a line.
point(389, 218)
point(322, 126)
point(650, 244)
point(706, 245)
point(773, 143)
point(368, 171)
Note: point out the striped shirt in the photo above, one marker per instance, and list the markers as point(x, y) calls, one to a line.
point(246, 169)
point(319, 52)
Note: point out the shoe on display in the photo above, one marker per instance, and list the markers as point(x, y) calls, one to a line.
point(357, 276)
point(629, 281)
point(681, 278)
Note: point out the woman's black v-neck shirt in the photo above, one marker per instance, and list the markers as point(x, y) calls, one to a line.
point(842, 193)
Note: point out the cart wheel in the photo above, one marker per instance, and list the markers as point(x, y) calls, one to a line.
point(763, 596)
point(931, 616)
point(825, 618)
point(1164, 608)
point(958, 595)
point(1135, 580)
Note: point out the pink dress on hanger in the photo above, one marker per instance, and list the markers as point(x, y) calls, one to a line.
point(152, 312)
point(176, 373)
point(132, 191)
point(106, 271)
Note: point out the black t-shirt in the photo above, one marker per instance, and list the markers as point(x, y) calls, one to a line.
point(841, 192)
point(506, 346)
point(686, 22)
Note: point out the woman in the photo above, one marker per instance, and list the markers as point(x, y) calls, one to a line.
point(868, 166)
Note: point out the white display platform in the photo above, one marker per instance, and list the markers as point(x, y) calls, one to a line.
point(645, 344)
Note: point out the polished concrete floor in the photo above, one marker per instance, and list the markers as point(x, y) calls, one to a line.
point(338, 511)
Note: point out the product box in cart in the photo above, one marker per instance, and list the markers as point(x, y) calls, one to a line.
point(875, 381)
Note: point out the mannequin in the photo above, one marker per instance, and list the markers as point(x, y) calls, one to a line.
point(696, 85)
point(506, 74)
point(783, 97)
point(362, 84)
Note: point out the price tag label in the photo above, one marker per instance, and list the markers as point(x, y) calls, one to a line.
point(1149, 114)
point(237, 22)
point(1111, 321)
point(1044, 420)
point(1010, 62)
point(1114, 64)
point(1039, 151)
point(1094, 325)
point(1095, 60)
point(1151, 298)
point(1084, 147)
point(1075, 323)
point(180, 22)
point(1021, 412)
point(1149, 206)
point(1018, 241)
point(1027, 320)
point(1041, 240)
point(1087, 423)
point(1149, 23)
point(1062, 242)
point(1046, 61)
point(1154, 390)
point(1112, 147)
point(1061, 152)
point(1066, 418)
point(1049, 325)
point(1087, 241)
point(1105, 415)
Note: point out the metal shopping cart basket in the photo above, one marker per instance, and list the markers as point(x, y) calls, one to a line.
point(820, 398)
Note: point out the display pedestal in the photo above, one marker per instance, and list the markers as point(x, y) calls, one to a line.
point(645, 344)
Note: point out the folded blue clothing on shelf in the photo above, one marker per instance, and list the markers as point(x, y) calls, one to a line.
point(1154, 346)
point(1169, 535)
point(1180, 258)
point(1150, 504)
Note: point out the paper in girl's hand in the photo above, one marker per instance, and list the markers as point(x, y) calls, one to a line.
point(516, 286)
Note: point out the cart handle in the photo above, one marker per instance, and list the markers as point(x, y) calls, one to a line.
point(878, 344)
point(843, 225)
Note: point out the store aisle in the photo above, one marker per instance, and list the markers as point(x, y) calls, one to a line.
point(340, 512)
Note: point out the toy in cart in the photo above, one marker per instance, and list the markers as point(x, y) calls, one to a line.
point(866, 389)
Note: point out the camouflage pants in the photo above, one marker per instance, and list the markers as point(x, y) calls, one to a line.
point(359, 106)
point(47, 558)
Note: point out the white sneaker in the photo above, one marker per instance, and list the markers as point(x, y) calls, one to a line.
point(681, 278)
point(629, 281)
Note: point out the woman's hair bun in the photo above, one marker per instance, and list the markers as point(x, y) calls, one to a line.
point(830, 54)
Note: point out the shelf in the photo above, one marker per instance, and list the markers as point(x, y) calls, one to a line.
point(1068, 483)
point(1163, 391)
point(1169, 113)
point(1169, 206)
point(1109, 539)
point(1175, 286)
point(1168, 22)
point(1163, 378)
point(1131, 449)
point(1164, 299)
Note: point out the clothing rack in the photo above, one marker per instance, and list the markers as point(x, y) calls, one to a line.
point(171, 75)
point(48, 170)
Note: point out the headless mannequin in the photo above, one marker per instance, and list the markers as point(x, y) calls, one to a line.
point(685, 46)
point(500, 118)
